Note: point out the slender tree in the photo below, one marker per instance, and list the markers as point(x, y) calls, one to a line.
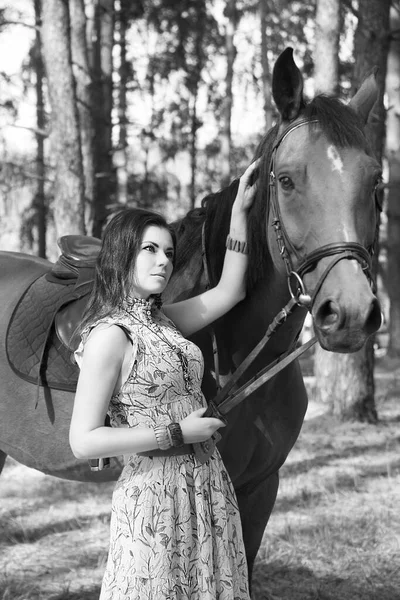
point(231, 15)
point(102, 68)
point(393, 157)
point(266, 73)
point(121, 158)
point(40, 197)
point(65, 135)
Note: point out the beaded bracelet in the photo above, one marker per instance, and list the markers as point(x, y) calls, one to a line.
point(171, 443)
point(162, 437)
point(236, 245)
point(176, 435)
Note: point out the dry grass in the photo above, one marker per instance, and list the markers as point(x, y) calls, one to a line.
point(335, 530)
point(54, 536)
point(334, 533)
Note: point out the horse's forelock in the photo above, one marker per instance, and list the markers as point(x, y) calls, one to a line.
point(339, 122)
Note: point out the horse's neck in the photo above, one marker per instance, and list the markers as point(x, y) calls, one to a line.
point(249, 321)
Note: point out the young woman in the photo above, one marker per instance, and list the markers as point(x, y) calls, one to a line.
point(175, 526)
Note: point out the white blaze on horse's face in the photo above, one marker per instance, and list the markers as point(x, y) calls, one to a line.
point(334, 157)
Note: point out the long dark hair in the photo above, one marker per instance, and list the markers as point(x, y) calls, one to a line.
point(115, 264)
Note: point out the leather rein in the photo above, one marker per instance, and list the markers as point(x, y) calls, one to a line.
point(225, 399)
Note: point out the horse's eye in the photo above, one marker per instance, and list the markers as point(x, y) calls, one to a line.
point(286, 183)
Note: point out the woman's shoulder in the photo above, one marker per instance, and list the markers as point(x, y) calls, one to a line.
point(109, 332)
point(117, 317)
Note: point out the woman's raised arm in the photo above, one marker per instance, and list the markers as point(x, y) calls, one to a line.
point(195, 313)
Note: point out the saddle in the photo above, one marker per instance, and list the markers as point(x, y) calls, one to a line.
point(40, 340)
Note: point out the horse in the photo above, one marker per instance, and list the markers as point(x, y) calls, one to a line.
point(311, 230)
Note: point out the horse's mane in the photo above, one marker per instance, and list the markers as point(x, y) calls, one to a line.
point(342, 127)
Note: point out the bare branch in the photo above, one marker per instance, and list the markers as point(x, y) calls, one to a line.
point(349, 4)
point(34, 130)
point(24, 173)
point(28, 25)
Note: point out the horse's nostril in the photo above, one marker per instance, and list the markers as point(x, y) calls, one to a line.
point(374, 319)
point(328, 315)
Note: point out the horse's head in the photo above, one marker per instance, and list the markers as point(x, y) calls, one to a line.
point(321, 179)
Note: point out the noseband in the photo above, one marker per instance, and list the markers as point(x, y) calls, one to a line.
point(340, 250)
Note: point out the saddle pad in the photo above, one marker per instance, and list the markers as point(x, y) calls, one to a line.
point(33, 349)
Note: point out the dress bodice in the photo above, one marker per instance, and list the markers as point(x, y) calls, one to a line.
point(155, 390)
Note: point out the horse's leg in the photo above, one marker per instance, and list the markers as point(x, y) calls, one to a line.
point(3, 457)
point(255, 504)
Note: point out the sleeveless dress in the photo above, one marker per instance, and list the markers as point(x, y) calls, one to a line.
point(175, 531)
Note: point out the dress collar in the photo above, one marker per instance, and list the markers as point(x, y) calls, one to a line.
point(139, 307)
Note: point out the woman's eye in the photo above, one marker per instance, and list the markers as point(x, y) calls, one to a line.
point(286, 183)
point(150, 248)
point(169, 255)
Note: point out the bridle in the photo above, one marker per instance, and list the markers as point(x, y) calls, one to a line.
point(339, 250)
point(227, 397)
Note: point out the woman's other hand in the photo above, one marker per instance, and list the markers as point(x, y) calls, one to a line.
point(196, 428)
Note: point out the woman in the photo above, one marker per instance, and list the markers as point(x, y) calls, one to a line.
point(175, 527)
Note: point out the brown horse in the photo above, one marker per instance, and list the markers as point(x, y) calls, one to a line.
point(316, 212)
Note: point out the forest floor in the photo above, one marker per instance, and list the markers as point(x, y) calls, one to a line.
point(334, 533)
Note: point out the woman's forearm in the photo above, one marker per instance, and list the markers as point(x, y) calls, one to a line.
point(233, 276)
point(112, 441)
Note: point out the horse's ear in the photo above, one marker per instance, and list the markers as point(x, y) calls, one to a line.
point(287, 86)
point(365, 98)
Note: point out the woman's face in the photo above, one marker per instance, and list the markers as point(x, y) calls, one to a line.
point(154, 262)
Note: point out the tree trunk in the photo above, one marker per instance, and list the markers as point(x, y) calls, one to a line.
point(226, 137)
point(346, 381)
point(393, 157)
point(266, 75)
point(326, 54)
point(83, 80)
point(40, 198)
point(66, 148)
point(122, 158)
point(371, 48)
point(102, 76)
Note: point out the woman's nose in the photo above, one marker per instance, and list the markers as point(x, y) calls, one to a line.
point(163, 258)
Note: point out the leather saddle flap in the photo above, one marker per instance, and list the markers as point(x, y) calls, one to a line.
point(34, 350)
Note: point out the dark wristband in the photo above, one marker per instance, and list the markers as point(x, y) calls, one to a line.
point(176, 434)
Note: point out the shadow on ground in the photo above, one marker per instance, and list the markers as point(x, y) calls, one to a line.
point(12, 590)
point(275, 581)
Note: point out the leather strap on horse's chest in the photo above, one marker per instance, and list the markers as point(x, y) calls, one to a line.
point(224, 401)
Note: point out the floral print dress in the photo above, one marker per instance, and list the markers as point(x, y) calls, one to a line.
point(175, 531)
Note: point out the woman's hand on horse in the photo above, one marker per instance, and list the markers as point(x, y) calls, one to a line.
point(247, 188)
point(196, 428)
